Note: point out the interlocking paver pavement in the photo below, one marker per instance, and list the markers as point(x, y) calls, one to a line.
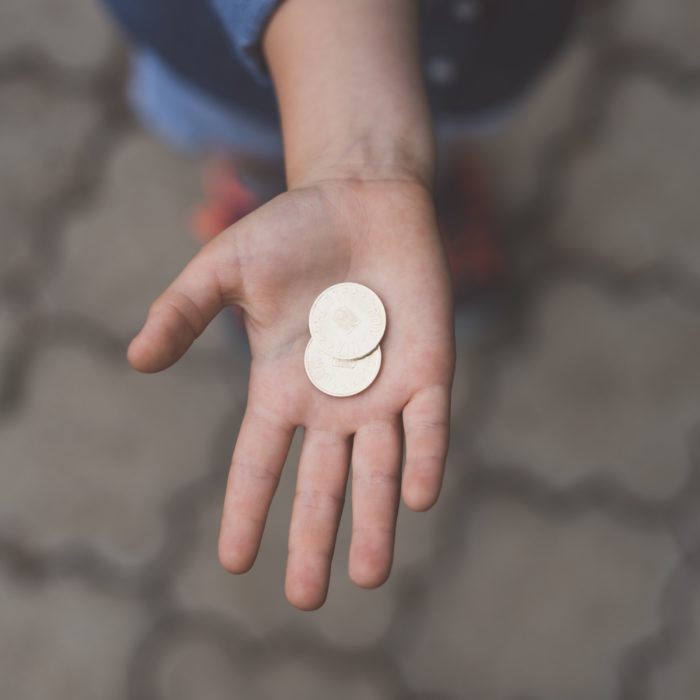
point(517, 149)
point(583, 579)
point(108, 464)
point(73, 33)
point(681, 678)
point(65, 641)
point(309, 681)
point(8, 324)
point(605, 387)
point(197, 668)
point(632, 194)
point(673, 25)
point(35, 161)
point(126, 263)
point(563, 559)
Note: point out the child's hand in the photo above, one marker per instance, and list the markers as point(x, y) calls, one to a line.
point(359, 157)
point(274, 263)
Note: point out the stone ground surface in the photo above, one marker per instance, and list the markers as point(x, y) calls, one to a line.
point(563, 560)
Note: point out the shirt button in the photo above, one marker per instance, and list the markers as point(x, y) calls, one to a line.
point(440, 70)
point(465, 10)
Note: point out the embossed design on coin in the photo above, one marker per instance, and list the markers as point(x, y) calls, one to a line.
point(337, 376)
point(347, 320)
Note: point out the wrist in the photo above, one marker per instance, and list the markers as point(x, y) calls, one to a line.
point(366, 157)
point(350, 90)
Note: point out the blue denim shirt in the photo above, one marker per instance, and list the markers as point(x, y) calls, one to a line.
point(477, 54)
point(244, 22)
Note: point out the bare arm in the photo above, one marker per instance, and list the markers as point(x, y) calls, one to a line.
point(350, 90)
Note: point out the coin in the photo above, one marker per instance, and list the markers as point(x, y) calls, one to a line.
point(347, 320)
point(338, 377)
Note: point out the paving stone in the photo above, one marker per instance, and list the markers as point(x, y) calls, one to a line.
point(679, 679)
point(302, 680)
point(8, 328)
point(64, 641)
point(258, 596)
point(515, 153)
point(40, 139)
point(132, 242)
point(73, 33)
point(632, 198)
point(605, 387)
point(538, 608)
point(16, 241)
point(673, 25)
point(95, 450)
point(195, 668)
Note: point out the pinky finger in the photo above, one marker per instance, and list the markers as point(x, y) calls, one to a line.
point(426, 421)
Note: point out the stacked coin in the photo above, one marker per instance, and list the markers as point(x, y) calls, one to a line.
point(346, 322)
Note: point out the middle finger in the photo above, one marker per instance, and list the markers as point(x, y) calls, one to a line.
point(318, 505)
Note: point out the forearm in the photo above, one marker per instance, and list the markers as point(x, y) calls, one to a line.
point(350, 90)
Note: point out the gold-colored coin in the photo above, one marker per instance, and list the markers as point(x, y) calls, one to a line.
point(347, 320)
point(339, 377)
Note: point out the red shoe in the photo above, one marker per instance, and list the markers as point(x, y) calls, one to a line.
point(227, 201)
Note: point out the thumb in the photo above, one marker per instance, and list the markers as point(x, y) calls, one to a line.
point(180, 315)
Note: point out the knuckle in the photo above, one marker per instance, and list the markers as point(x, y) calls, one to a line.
point(376, 531)
point(424, 463)
point(427, 424)
point(376, 477)
point(316, 499)
point(255, 471)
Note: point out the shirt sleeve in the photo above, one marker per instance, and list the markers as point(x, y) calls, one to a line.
point(244, 21)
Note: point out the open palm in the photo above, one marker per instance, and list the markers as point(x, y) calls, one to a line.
point(273, 263)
